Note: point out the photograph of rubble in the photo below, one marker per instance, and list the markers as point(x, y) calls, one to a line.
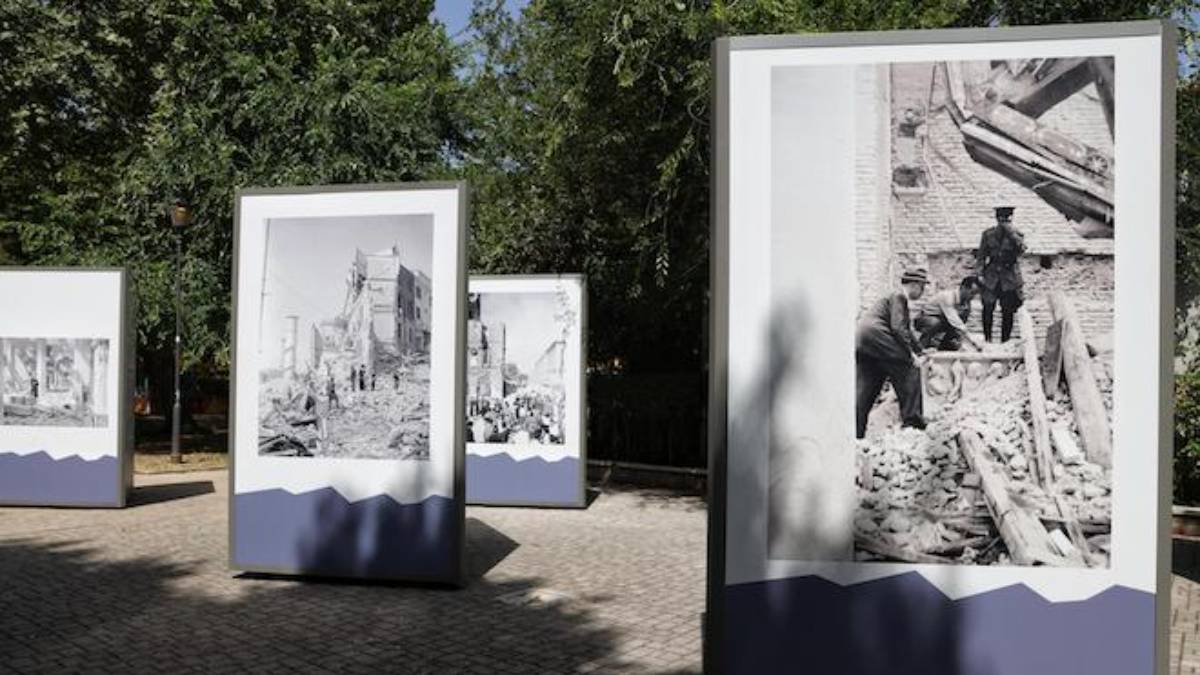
point(516, 352)
point(54, 382)
point(346, 327)
point(984, 217)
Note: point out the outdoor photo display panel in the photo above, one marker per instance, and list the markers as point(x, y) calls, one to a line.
point(346, 446)
point(64, 403)
point(525, 391)
point(941, 324)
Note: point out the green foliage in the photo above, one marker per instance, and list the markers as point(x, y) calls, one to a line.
point(1187, 438)
point(115, 109)
point(591, 144)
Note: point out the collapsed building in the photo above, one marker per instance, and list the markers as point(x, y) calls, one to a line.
point(385, 315)
point(54, 381)
point(1015, 467)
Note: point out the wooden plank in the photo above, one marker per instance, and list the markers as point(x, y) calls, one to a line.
point(972, 356)
point(1078, 539)
point(1026, 538)
point(1091, 418)
point(879, 547)
point(1052, 360)
point(1037, 398)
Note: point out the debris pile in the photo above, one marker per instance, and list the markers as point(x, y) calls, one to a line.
point(390, 420)
point(978, 486)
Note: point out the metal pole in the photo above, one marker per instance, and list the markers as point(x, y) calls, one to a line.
point(176, 410)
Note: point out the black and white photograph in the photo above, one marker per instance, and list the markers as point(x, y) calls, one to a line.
point(516, 365)
point(984, 234)
point(345, 335)
point(54, 382)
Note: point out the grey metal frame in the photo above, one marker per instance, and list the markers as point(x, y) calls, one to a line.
point(719, 278)
point(458, 578)
point(126, 368)
point(581, 405)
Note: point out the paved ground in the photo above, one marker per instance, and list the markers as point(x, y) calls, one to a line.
point(614, 588)
point(618, 587)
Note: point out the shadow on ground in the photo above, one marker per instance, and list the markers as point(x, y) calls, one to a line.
point(1185, 558)
point(143, 495)
point(66, 609)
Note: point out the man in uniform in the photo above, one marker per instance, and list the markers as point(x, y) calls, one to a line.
point(886, 349)
point(998, 264)
point(942, 324)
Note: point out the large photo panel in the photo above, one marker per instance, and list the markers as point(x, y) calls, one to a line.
point(525, 399)
point(64, 389)
point(948, 411)
point(347, 450)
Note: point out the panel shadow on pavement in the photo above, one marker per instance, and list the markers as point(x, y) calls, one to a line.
point(486, 548)
point(143, 495)
point(91, 606)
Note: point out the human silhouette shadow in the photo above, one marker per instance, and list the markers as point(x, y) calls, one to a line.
point(801, 622)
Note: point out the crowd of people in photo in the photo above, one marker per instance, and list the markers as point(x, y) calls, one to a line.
point(520, 418)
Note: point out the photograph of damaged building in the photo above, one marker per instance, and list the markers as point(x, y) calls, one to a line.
point(1013, 463)
point(346, 321)
point(54, 382)
point(516, 351)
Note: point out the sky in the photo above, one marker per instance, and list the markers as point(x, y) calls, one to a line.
point(456, 13)
point(529, 325)
point(307, 263)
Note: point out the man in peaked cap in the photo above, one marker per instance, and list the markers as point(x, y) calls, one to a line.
point(885, 350)
point(998, 266)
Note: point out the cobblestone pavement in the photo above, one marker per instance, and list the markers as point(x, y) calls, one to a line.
point(618, 587)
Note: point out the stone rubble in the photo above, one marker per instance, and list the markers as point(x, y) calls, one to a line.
point(918, 496)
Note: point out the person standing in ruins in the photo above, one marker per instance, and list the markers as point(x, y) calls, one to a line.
point(886, 350)
point(353, 377)
point(942, 324)
point(998, 265)
point(331, 393)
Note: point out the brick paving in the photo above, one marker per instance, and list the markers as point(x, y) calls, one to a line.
point(618, 587)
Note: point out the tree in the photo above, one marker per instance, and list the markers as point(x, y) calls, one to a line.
point(591, 146)
point(207, 97)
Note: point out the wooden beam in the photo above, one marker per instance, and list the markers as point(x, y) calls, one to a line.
point(1026, 538)
point(1037, 397)
point(879, 547)
point(1091, 418)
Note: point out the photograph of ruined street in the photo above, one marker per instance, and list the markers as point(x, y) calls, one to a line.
point(984, 340)
point(345, 338)
point(54, 382)
point(516, 351)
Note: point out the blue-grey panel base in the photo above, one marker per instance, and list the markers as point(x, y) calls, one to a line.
point(499, 479)
point(321, 534)
point(39, 479)
point(903, 624)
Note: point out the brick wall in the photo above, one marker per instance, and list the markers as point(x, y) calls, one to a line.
point(940, 226)
point(872, 168)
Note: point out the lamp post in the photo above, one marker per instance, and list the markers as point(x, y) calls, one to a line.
point(181, 216)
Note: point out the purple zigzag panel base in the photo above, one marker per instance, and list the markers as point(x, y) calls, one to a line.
point(320, 533)
point(39, 479)
point(500, 479)
point(904, 625)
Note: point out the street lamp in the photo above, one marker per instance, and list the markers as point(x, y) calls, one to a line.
point(181, 217)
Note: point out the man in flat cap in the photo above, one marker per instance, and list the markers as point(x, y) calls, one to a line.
point(998, 266)
point(885, 349)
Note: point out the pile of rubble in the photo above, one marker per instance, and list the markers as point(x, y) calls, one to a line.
point(973, 487)
point(390, 420)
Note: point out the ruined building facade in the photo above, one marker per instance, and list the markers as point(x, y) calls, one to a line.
point(924, 199)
